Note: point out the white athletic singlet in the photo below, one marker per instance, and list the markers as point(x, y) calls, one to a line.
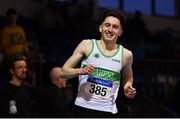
point(99, 90)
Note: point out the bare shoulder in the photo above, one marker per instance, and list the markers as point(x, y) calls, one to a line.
point(86, 42)
point(127, 53)
point(85, 46)
point(127, 56)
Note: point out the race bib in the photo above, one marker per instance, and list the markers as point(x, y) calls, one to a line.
point(98, 87)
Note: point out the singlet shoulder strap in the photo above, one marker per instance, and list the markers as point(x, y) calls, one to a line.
point(92, 48)
point(121, 52)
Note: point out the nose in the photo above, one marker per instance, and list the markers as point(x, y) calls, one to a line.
point(110, 28)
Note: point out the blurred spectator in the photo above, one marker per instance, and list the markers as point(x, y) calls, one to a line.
point(13, 39)
point(52, 101)
point(13, 36)
point(136, 27)
point(16, 98)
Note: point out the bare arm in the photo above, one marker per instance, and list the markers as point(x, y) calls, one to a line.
point(69, 70)
point(127, 73)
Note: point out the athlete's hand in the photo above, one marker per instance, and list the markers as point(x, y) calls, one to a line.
point(129, 91)
point(87, 70)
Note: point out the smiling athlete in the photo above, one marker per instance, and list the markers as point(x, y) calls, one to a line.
point(100, 73)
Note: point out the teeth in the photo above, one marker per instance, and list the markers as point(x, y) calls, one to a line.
point(108, 34)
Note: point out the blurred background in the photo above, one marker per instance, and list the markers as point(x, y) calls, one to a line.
point(55, 27)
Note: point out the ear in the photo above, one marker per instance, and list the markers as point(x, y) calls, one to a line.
point(11, 71)
point(100, 28)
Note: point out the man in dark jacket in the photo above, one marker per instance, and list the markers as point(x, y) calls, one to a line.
point(16, 98)
point(52, 101)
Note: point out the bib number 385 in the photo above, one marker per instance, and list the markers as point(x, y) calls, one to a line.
point(97, 87)
point(98, 90)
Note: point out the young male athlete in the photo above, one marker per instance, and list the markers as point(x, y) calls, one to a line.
point(100, 73)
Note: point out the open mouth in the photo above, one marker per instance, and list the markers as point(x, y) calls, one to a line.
point(109, 34)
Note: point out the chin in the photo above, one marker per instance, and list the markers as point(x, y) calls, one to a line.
point(109, 38)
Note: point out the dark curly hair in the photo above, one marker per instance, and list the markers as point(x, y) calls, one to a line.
point(115, 13)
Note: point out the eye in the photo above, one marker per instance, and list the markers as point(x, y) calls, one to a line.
point(115, 26)
point(21, 68)
point(107, 24)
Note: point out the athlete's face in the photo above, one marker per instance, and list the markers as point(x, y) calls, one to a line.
point(111, 28)
point(20, 70)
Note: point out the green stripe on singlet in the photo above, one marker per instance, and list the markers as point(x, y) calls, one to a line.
point(106, 74)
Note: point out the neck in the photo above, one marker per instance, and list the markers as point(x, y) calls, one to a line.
point(16, 82)
point(109, 45)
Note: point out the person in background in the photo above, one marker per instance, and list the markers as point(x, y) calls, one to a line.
point(104, 65)
point(13, 36)
point(52, 101)
point(13, 40)
point(16, 98)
